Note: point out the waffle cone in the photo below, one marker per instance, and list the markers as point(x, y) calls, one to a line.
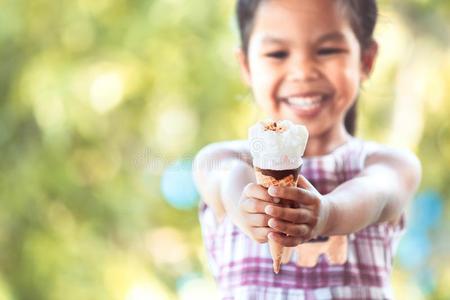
point(279, 253)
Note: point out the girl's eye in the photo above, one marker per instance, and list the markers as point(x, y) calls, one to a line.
point(330, 51)
point(277, 54)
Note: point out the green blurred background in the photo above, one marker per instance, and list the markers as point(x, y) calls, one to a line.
point(103, 105)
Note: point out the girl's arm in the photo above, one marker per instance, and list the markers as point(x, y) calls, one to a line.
point(212, 168)
point(379, 194)
point(225, 178)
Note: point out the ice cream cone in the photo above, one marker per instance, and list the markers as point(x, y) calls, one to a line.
point(277, 148)
point(266, 178)
point(276, 250)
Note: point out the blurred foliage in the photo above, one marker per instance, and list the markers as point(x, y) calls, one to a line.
point(98, 97)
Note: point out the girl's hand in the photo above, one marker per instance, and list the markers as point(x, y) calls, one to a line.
point(249, 214)
point(304, 220)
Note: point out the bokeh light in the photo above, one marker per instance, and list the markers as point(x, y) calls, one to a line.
point(414, 250)
point(106, 91)
point(5, 293)
point(167, 246)
point(177, 185)
point(427, 210)
point(194, 286)
point(146, 291)
point(176, 129)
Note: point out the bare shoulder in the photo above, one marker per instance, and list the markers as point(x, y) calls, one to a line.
point(402, 161)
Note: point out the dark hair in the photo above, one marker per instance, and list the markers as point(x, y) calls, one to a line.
point(363, 18)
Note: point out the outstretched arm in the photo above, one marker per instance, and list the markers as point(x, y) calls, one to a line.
point(225, 178)
point(215, 166)
point(379, 194)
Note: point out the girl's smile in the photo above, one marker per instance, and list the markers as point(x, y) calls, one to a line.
point(305, 104)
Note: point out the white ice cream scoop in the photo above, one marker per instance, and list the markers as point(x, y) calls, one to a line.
point(277, 145)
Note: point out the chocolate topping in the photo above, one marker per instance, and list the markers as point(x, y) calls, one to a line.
point(279, 174)
point(319, 239)
point(273, 126)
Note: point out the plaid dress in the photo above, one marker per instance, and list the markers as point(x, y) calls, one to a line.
point(243, 267)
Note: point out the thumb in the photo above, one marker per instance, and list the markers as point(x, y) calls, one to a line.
point(303, 183)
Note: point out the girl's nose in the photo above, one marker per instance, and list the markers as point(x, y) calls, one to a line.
point(303, 70)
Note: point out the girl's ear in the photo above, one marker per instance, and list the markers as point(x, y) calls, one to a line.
point(368, 58)
point(243, 64)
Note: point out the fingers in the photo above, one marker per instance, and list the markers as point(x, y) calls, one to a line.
point(255, 198)
point(258, 220)
point(252, 206)
point(255, 206)
point(290, 229)
point(287, 241)
point(302, 182)
point(293, 215)
point(253, 190)
point(260, 234)
point(295, 194)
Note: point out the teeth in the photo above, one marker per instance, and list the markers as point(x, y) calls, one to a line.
point(304, 101)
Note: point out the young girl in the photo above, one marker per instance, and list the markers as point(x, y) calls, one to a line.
point(305, 61)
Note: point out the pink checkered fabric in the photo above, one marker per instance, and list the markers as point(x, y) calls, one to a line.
point(243, 267)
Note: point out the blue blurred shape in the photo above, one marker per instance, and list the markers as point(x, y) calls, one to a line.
point(426, 281)
point(186, 278)
point(427, 210)
point(177, 185)
point(414, 250)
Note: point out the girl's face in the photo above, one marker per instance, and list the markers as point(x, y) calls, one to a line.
point(304, 63)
